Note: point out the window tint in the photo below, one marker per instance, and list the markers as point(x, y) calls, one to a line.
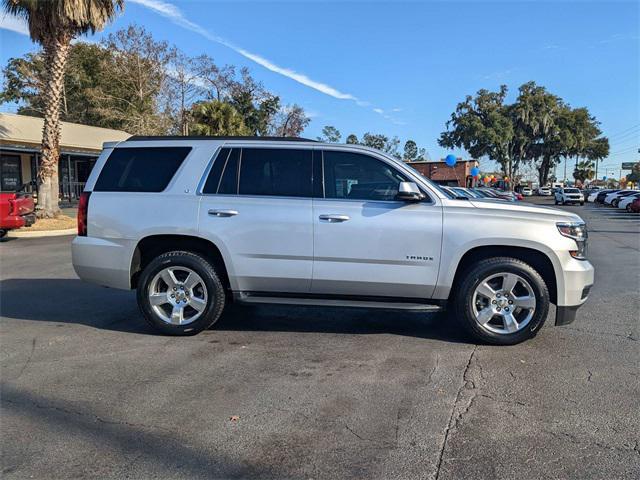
point(272, 171)
point(359, 177)
point(140, 169)
point(571, 190)
point(211, 185)
point(229, 181)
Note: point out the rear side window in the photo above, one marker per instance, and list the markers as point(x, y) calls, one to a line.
point(275, 172)
point(140, 169)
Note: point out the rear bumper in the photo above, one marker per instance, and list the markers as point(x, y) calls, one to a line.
point(11, 222)
point(105, 262)
point(29, 219)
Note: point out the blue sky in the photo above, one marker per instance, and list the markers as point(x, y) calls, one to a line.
point(400, 68)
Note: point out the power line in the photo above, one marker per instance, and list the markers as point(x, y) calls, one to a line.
point(625, 150)
point(623, 131)
point(627, 135)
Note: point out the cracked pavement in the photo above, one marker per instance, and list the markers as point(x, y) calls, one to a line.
point(89, 391)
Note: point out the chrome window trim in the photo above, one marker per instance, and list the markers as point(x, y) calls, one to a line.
point(224, 168)
point(429, 200)
point(207, 171)
point(431, 194)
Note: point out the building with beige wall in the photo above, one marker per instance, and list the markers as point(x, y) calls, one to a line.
point(80, 145)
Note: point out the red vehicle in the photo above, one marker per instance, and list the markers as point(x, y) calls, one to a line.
point(16, 210)
point(634, 206)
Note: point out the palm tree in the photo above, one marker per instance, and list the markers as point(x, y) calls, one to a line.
point(584, 171)
point(54, 24)
point(217, 118)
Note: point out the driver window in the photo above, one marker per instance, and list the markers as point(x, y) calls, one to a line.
point(355, 176)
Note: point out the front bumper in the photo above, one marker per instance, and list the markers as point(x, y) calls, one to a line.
point(573, 290)
point(566, 315)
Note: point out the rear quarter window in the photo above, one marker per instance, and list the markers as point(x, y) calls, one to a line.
point(148, 169)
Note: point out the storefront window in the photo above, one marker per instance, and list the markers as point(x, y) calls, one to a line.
point(10, 173)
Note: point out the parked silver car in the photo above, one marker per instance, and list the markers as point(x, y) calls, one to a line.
point(194, 224)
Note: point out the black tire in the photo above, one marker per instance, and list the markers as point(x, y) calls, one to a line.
point(2, 233)
point(556, 202)
point(206, 271)
point(581, 204)
point(462, 301)
point(629, 208)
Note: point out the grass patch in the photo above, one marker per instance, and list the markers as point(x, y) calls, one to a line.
point(61, 222)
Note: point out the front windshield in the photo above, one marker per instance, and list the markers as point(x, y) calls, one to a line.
point(571, 190)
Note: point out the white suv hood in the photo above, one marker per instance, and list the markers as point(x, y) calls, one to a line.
point(521, 209)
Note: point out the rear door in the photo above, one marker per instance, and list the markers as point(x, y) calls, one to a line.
point(367, 243)
point(256, 206)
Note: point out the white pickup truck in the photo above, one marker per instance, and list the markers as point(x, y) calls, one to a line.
point(196, 223)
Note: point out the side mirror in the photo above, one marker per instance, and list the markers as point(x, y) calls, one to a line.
point(409, 192)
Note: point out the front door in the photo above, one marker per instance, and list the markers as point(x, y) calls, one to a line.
point(256, 206)
point(366, 243)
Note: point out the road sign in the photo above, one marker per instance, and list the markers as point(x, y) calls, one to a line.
point(628, 165)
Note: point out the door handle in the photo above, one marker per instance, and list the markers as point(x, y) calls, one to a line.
point(223, 213)
point(334, 218)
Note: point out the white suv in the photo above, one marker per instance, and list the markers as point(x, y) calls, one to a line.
point(196, 223)
point(564, 196)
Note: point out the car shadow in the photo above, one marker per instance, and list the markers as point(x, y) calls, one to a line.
point(71, 301)
point(340, 320)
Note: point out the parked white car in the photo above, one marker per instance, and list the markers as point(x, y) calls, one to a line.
point(544, 191)
point(564, 196)
point(527, 192)
point(614, 197)
point(627, 200)
point(196, 223)
point(592, 196)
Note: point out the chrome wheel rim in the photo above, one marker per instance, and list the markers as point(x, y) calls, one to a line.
point(503, 303)
point(177, 295)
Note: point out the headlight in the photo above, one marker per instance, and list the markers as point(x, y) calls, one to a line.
point(578, 232)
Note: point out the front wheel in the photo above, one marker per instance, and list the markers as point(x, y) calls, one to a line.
point(581, 204)
point(180, 293)
point(501, 301)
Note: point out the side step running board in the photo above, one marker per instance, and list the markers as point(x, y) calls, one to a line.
point(253, 298)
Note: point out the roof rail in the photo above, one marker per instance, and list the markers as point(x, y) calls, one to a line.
point(142, 138)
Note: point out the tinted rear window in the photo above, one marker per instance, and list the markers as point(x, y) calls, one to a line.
point(273, 171)
point(140, 169)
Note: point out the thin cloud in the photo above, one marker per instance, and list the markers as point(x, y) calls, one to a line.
point(174, 14)
point(14, 24)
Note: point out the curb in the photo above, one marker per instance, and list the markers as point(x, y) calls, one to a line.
point(43, 233)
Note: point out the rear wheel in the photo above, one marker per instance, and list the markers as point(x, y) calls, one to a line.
point(502, 301)
point(180, 293)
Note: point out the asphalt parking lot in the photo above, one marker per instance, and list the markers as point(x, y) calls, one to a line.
point(88, 390)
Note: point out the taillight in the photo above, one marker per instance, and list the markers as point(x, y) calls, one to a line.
point(83, 208)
